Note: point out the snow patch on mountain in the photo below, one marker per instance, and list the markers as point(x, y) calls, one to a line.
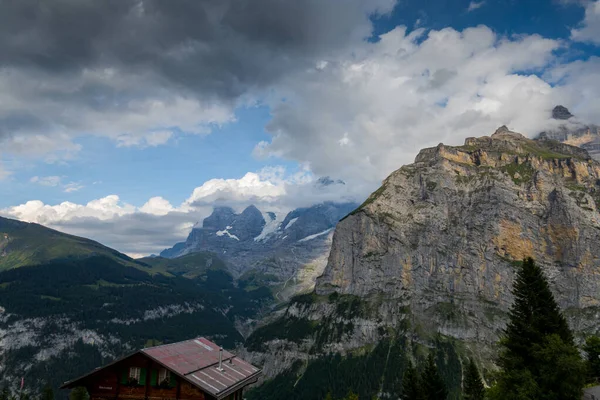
point(289, 224)
point(273, 222)
point(316, 235)
point(226, 232)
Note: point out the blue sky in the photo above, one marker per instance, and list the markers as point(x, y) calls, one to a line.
point(263, 103)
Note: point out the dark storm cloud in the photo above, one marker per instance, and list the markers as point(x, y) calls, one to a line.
point(67, 67)
point(216, 47)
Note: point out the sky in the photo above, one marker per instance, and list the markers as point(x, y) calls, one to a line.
point(127, 121)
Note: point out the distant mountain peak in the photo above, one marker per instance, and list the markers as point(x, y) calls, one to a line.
point(504, 132)
point(327, 181)
point(561, 112)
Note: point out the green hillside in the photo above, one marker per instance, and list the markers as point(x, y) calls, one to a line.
point(23, 243)
point(99, 310)
point(189, 266)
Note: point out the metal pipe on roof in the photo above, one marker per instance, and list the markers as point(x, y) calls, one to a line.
point(220, 359)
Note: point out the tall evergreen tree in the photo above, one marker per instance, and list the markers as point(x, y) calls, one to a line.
point(351, 396)
point(592, 352)
point(538, 358)
point(411, 384)
point(79, 393)
point(47, 393)
point(433, 386)
point(473, 386)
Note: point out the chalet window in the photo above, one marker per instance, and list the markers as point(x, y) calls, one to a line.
point(134, 373)
point(164, 375)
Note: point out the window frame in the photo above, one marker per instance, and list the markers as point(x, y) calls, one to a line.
point(135, 373)
point(164, 375)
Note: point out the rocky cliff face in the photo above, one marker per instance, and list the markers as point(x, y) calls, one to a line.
point(448, 228)
point(264, 248)
point(432, 253)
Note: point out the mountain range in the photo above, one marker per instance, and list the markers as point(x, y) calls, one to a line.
point(334, 295)
point(426, 264)
point(574, 132)
point(269, 249)
point(69, 304)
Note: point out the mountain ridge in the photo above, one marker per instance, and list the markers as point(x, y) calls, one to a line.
point(283, 251)
point(25, 243)
point(428, 261)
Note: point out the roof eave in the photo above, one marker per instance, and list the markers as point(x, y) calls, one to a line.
point(69, 384)
point(251, 379)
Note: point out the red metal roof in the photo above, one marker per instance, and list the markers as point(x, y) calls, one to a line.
point(197, 360)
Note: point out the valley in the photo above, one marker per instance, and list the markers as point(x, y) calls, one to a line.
point(326, 297)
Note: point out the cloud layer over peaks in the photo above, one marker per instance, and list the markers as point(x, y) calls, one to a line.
point(158, 224)
point(372, 109)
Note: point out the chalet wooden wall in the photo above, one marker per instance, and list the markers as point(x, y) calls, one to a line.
point(110, 383)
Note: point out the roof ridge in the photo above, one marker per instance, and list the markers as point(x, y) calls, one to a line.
point(171, 344)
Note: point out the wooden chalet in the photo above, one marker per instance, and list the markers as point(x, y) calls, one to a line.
point(195, 369)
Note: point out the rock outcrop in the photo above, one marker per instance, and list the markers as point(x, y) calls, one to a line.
point(432, 253)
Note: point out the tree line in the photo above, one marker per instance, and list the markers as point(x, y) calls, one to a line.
point(538, 358)
point(79, 393)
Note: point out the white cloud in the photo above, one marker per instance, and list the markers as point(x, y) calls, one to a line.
point(157, 206)
point(72, 187)
point(46, 180)
point(249, 188)
point(589, 31)
point(147, 118)
point(54, 181)
point(158, 224)
point(578, 84)
point(408, 91)
point(474, 5)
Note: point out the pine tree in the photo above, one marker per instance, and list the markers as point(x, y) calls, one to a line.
point(79, 393)
point(473, 386)
point(411, 384)
point(592, 352)
point(538, 358)
point(47, 393)
point(433, 386)
point(5, 393)
point(351, 396)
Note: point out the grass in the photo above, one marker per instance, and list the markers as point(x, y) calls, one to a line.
point(524, 170)
point(51, 298)
point(468, 148)
point(374, 196)
point(545, 153)
point(102, 283)
point(189, 266)
point(33, 244)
